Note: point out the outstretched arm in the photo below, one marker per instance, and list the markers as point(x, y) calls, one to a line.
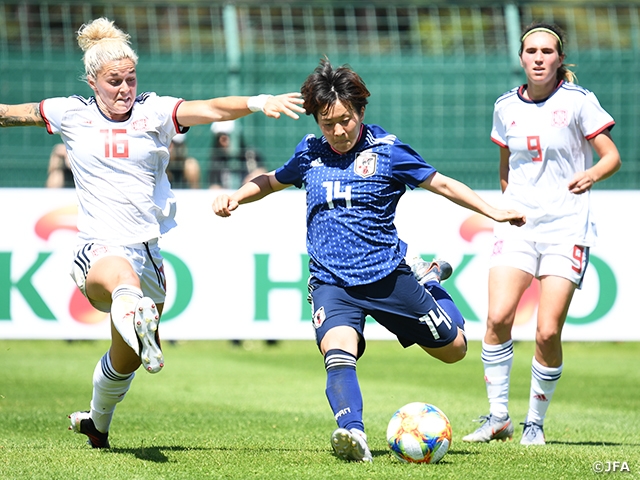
point(198, 112)
point(253, 190)
point(462, 195)
point(23, 115)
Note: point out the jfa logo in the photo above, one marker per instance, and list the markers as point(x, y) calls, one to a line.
point(560, 118)
point(365, 165)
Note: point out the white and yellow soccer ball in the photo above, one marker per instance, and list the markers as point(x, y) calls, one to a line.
point(419, 433)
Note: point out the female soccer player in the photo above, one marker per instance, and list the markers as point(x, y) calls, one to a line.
point(546, 130)
point(118, 146)
point(354, 176)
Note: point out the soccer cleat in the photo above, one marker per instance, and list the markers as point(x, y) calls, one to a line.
point(146, 324)
point(438, 270)
point(532, 434)
point(351, 445)
point(492, 428)
point(81, 422)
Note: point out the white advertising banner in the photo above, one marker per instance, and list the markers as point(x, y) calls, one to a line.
point(244, 277)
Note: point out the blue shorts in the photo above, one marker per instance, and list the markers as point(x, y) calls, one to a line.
point(413, 313)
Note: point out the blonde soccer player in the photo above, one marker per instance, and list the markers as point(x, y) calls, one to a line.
point(118, 146)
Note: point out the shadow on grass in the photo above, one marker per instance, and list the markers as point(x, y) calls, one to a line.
point(595, 444)
point(387, 452)
point(153, 453)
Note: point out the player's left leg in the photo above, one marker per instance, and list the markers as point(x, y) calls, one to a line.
point(561, 270)
point(431, 275)
point(546, 366)
point(109, 389)
point(457, 349)
point(437, 270)
point(424, 315)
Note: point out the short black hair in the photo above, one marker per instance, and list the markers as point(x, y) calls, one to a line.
point(328, 85)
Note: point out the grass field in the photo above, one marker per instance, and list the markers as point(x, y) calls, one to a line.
point(218, 411)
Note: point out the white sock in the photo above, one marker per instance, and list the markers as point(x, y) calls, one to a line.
point(124, 300)
point(109, 389)
point(543, 384)
point(497, 361)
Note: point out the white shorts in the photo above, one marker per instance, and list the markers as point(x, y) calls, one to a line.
point(145, 259)
point(539, 259)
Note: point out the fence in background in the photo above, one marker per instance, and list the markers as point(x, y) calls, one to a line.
point(434, 71)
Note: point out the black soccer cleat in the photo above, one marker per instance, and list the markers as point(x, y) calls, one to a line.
point(81, 422)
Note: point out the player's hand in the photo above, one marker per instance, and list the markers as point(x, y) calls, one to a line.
point(223, 205)
point(513, 217)
point(287, 103)
point(581, 182)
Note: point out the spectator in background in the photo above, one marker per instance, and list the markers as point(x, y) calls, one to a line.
point(59, 173)
point(229, 169)
point(183, 171)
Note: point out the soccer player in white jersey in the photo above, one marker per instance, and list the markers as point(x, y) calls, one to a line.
point(354, 176)
point(118, 146)
point(546, 130)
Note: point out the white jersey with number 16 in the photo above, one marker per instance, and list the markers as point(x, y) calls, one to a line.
point(118, 167)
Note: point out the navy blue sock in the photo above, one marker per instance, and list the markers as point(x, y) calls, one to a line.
point(445, 301)
point(343, 390)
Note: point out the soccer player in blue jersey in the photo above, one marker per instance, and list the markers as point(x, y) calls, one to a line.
point(354, 176)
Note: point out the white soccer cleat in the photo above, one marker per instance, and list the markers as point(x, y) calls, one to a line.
point(533, 434)
point(351, 445)
point(146, 326)
point(493, 428)
point(438, 270)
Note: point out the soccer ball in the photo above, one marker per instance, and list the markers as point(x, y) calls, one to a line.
point(419, 433)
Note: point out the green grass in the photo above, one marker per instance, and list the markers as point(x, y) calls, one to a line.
point(216, 411)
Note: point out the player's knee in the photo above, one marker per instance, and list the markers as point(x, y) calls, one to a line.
point(454, 355)
point(451, 353)
point(457, 352)
point(548, 336)
point(499, 325)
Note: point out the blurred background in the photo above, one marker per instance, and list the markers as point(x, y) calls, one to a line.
point(434, 69)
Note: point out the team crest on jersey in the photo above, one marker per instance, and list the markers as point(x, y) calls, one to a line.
point(365, 165)
point(560, 118)
point(319, 317)
point(139, 125)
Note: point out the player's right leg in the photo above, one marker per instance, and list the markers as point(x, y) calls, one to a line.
point(507, 285)
point(111, 285)
point(339, 346)
point(338, 323)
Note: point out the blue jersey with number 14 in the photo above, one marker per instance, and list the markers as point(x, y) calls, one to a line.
point(351, 203)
